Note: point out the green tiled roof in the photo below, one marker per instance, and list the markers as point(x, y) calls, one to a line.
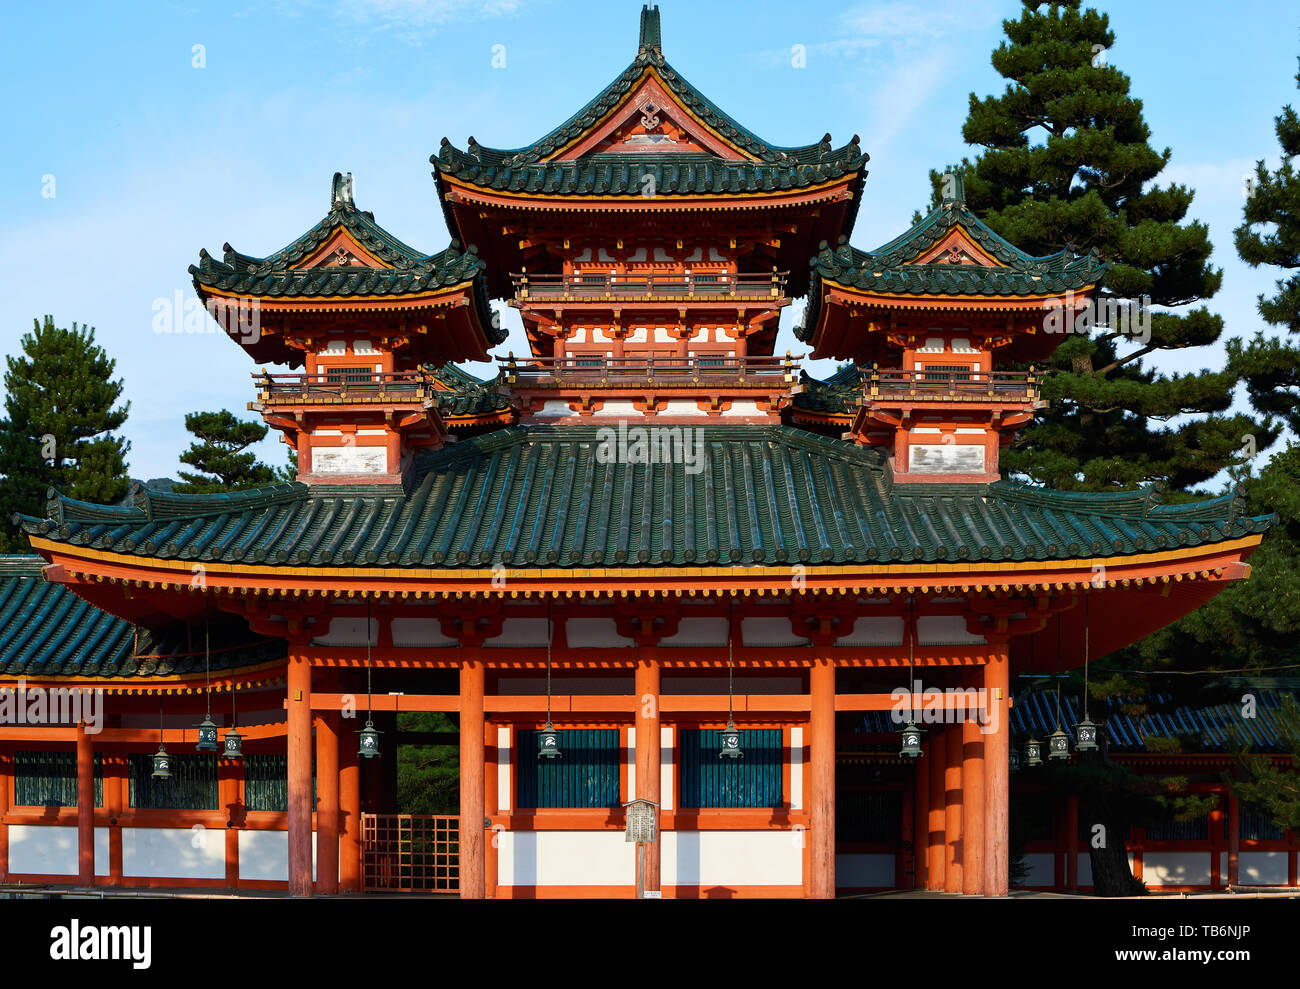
point(522, 169)
point(887, 270)
point(47, 631)
point(413, 271)
point(467, 395)
point(540, 496)
point(837, 395)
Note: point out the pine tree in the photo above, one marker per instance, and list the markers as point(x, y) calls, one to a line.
point(1270, 235)
point(221, 454)
point(61, 416)
point(1067, 163)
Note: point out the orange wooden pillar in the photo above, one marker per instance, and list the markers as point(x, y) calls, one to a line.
point(116, 786)
point(350, 815)
point(997, 764)
point(85, 808)
point(821, 814)
point(327, 803)
point(972, 797)
point(6, 784)
point(1234, 839)
point(229, 774)
point(938, 766)
point(953, 848)
point(1072, 843)
point(472, 794)
point(921, 818)
point(647, 757)
point(298, 743)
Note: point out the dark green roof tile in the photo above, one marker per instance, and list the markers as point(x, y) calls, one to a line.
point(47, 631)
point(540, 497)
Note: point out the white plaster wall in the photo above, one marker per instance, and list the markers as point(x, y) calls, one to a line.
point(696, 632)
point(1085, 867)
point(865, 869)
point(878, 631)
point(1176, 868)
point(424, 633)
point(769, 632)
point(1262, 868)
point(595, 633)
point(796, 768)
point(174, 853)
point(666, 767)
point(732, 858)
point(565, 858)
point(1042, 869)
point(679, 407)
point(555, 409)
point(36, 849)
point(739, 408)
point(520, 633)
point(265, 855)
point(504, 791)
point(944, 630)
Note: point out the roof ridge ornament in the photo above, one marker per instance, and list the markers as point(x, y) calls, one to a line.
point(954, 189)
point(341, 190)
point(651, 39)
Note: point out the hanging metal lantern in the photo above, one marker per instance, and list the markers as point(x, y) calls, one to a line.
point(1033, 752)
point(369, 742)
point(548, 743)
point(1086, 734)
point(234, 745)
point(1058, 745)
point(911, 741)
point(1015, 759)
point(162, 763)
point(207, 736)
point(730, 742)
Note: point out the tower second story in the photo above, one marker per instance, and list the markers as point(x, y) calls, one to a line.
point(946, 326)
point(362, 320)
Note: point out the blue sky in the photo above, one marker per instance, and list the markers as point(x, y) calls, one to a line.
point(153, 158)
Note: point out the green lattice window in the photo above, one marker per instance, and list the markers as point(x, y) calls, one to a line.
point(49, 779)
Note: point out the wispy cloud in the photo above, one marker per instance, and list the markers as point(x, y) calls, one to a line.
point(412, 21)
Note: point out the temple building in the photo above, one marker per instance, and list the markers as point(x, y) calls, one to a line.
point(667, 586)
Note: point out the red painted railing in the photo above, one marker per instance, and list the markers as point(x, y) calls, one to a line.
point(717, 285)
point(614, 372)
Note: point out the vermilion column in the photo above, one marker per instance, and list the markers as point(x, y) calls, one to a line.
point(953, 846)
point(350, 815)
point(1234, 838)
point(821, 815)
point(921, 817)
point(938, 831)
point(472, 795)
point(997, 755)
point(229, 772)
point(115, 795)
point(972, 797)
point(327, 803)
point(647, 756)
point(85, 808)
point(298, 743)
point(6, 779)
